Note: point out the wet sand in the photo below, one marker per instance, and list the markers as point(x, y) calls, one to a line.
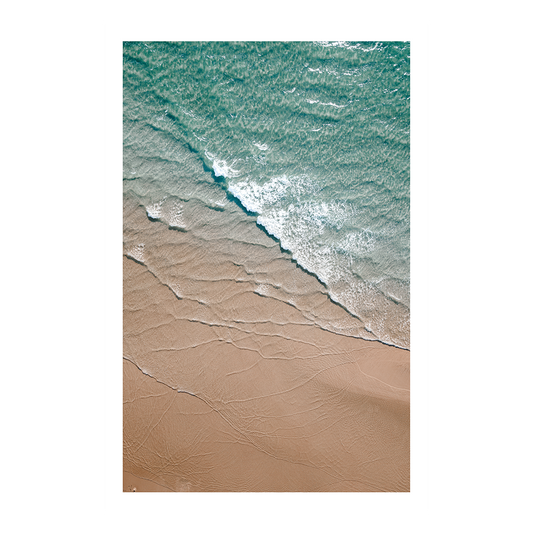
point(239, 389)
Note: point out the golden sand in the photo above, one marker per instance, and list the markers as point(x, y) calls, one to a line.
point(237, 391)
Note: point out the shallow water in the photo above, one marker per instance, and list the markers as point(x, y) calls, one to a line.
point(245, 147)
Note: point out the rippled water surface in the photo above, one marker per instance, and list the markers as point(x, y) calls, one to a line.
point(311, 140)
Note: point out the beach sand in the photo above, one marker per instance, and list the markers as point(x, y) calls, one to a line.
point(233, 382)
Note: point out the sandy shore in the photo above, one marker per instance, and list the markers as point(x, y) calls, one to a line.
point(240, 391)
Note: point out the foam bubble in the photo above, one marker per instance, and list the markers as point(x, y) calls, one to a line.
point(154, 210)
point(263, 290)
point(174, 215)
point(360, 243)
point(175, 287)
point(136, 252)
point(261, 146)
point(221, 168)
point(274, 222)
point(254, 196)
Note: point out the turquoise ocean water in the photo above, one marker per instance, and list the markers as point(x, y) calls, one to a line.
point(310, 139)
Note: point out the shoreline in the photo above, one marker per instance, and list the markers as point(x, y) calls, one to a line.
point(271, 405)
point(240, 373)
